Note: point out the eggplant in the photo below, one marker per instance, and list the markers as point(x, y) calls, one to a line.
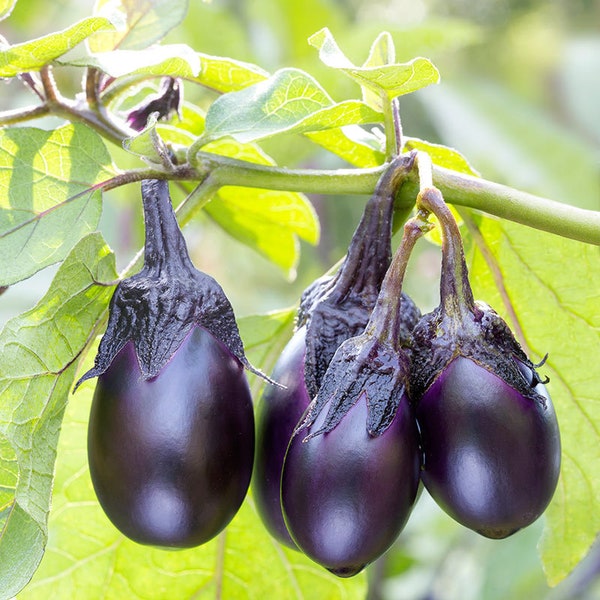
point(346, 494)
point(492, 455)
point(171, 430)
point(171, 457)
point(489, 432)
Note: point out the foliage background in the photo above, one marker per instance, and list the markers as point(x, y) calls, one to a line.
point(519, 97)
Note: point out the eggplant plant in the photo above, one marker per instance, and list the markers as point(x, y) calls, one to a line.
point(297, 484)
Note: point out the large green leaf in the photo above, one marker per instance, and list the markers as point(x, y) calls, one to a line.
point(142, 22)
point(87, 557)
point(290, 101)
point(33, 55)
point(552, 284)
point(39, 352)
point(46, 200)
point(390, 80)
point(268, 221)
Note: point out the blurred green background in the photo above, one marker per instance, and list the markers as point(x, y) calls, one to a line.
point(520, 97)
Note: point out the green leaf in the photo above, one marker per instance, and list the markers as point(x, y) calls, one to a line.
point(266, 220)
point(6, 7)
point(46, 200)
point(354, 144)
point(391, 80)
point(382, 53)
point(552, 284)
point(143, 23)
point(442, 156)
point(33, 55)
point(290, 101)
point(39, 351)
point(227, 74)
point(86, 557)
point(175, 60)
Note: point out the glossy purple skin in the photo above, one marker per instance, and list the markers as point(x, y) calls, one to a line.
point(278, 414)
point(171, 458)
point(492, 456)
point(345, 495)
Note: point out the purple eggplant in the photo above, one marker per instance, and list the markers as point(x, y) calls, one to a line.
point(171, 457)
point(489, 433)
point(347, 494)
point(492, 456)
point(351, 473)
point(171, 432)
point(332, 309)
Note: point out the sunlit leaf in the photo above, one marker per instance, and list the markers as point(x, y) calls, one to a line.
point(268, 221)
point(33, 55)
point(46, 204)
point(290, 101)
point(225, 74)
point(38, 359)
point(552, 285)
point(352, 143)
point(390, 80)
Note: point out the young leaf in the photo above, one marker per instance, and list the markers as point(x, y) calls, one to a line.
point(143, 23)
point(33, 55)
point(266, 220)
point(39, 351)
point(174, 60)
point(87, 557)
point(559, 312)
point(227, 74)
point(391, 80)
point(290, 101)
point(440, 155)
point(46, 200)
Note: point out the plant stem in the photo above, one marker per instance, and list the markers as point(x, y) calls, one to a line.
point(460, 189)
point(508, 203)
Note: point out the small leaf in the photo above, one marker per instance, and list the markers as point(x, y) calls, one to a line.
point(6, 7)
point(174, 60)
point(46, 198)
point(391, 79)
point(33, 55)
point(382, 52)
point(227, 74)
point(86, 557)
point(559, 312)
point(266, 220)
point(38, 359)
point(143, 23)
point(442, 156)
point(290, 101)
point(147, 144)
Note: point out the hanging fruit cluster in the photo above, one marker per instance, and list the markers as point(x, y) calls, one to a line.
point(368, 400)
